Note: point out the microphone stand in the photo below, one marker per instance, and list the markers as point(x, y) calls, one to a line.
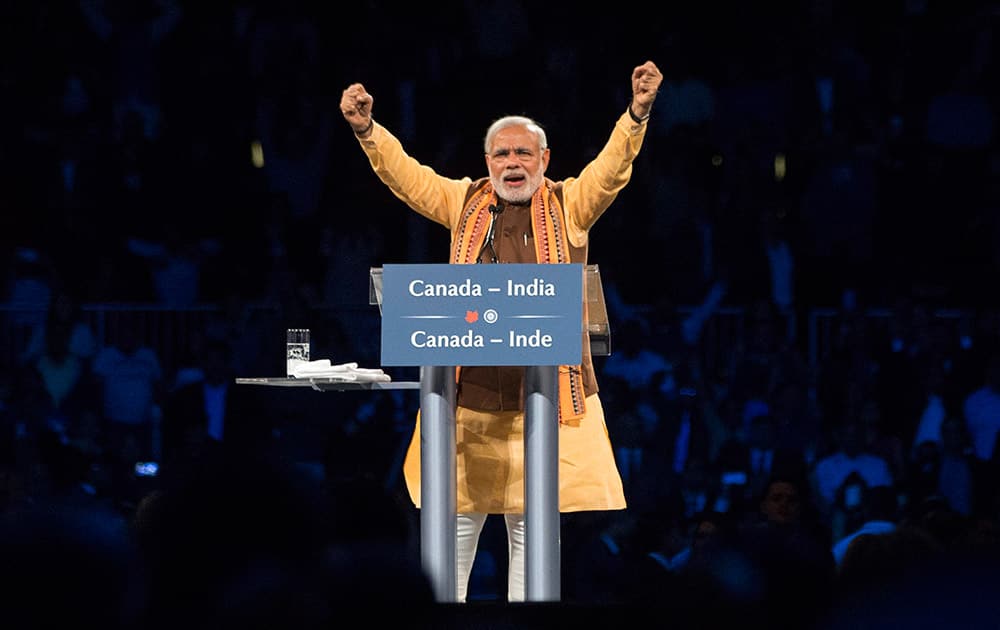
point(488, 242)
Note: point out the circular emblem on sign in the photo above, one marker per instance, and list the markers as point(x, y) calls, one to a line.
point(490, 316)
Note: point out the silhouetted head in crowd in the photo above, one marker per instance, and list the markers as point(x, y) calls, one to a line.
point(68, 565)
point(881, 504)
point(783, 560)
point(711, 530)
point(935, 516)
point(238, 541)
point(899, 580)
point(228, 528)
point(875, 561)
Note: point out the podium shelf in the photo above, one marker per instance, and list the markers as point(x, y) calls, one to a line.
point(328, 384)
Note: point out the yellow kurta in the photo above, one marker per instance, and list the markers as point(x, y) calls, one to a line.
point(490, 443)
point(490, 466)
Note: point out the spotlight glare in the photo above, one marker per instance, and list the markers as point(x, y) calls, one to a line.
point(780, 167)
point(257, 154)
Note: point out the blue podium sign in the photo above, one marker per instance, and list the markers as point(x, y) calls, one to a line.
point(505, 314)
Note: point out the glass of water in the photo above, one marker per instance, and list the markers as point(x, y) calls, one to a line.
point(296, 348)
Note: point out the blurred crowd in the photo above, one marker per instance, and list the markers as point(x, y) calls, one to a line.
point(802, 157)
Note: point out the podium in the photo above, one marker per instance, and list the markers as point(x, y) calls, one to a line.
point(458, 284)
point(552, 334)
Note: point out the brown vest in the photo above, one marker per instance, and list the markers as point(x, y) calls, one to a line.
point(515, 230)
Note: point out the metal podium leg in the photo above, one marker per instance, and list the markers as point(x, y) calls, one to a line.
point(438, 503)
point(541, 484)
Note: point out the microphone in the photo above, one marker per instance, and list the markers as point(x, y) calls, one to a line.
point(495, 211)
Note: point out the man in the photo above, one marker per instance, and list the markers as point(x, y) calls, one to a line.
point(850, 457)
point(537, 220)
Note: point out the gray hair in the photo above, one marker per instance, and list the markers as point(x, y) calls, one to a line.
point(515, 121)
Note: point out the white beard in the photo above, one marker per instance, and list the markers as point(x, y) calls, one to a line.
point(517, 195)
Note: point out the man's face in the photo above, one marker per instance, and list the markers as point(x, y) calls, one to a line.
point(516, 164)
point(781, 503)
point(703, 533)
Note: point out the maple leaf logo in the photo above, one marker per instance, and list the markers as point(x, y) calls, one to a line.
point(472, 316)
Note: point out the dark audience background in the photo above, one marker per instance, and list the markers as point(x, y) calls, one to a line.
point(801, 280)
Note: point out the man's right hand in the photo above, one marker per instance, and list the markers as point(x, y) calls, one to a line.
point(356, 106)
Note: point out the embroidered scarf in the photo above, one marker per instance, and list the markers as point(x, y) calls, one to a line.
point(551, 246)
